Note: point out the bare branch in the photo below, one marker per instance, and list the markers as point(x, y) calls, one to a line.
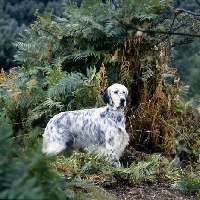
point(198, 2)
point(130, 26)
point(180, 10)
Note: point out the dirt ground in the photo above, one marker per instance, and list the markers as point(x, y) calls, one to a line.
point(161, 191)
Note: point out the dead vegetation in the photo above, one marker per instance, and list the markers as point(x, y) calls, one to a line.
point(158, 116)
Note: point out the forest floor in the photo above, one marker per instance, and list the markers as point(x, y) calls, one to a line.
point(162, 189)
point(159, 191)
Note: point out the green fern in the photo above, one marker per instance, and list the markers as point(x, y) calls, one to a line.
point(50, 103)
point(136, 173)
point(146, 75)
point(67, 84)
point(92, 165)
point(184, 92)
point(25, 174)
point(188, 183)
point(86, 35)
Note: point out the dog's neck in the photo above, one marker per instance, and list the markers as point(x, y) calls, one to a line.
point(120, 110)
point(116, 115)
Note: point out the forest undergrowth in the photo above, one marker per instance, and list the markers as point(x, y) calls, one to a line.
point(66, 63)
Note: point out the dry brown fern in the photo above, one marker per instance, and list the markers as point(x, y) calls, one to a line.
point(103, 78)
point(124, 72)
point(157, 123)
point(9, 81)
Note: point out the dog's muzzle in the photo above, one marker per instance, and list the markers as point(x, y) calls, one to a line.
point(122, 102)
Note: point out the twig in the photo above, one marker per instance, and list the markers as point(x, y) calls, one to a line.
point(180, 10)
point(165, 32)
point(198, 2)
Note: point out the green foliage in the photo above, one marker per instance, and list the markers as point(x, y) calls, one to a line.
point(15, 16)
point(22, 10)
point(87, 35)
point(54, 75)
point(8, 34)
point(188, 183)
point(67, 94)
point(29, 98)
point(81, 165)
point(25, 174)
point(67, 84)
point(194, 81)
point(147, 170)
point(187, 58)
point(187, 62)
point(60, 70)
point(140, 172)
point(97, 168)
point(147, 74)
point(72, 91)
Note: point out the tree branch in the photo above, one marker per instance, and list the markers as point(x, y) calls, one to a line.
point(198, 2)
point(130, 26)
point(180, 10)
point(170, 32)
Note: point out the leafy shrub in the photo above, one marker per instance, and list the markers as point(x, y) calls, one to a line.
point(31, 97)
point(151, 169)
point(89, 165)
point(188, 183)
point(25, 174)
point(96, 168)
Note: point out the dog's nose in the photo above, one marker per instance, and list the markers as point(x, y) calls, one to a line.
point(122, 99)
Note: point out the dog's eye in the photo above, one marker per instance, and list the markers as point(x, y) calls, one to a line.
point(115, 92)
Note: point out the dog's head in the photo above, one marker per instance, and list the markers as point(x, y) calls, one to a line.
point(116, 95)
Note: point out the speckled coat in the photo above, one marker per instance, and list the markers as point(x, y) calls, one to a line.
point(101, 127)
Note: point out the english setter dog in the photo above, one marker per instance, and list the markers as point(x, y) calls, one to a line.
point(101, 127)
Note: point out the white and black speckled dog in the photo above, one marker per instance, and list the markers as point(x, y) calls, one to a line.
point(103, 127)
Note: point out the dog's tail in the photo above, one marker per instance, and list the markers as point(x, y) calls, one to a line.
point(46, 141)
point(51, 145)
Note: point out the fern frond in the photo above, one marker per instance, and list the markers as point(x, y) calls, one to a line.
point(188, 183)
point(184, 91)
point(91, 73)
point(50, 103)
point(67, 84)
point(80, 55)
point(147, 74)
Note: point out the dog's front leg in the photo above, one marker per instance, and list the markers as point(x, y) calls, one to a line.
point(112, 152)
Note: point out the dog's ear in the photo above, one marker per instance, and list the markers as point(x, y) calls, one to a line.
point(127, 101)
point(105, 96)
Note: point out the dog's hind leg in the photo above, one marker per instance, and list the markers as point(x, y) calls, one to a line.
point(68, 151)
